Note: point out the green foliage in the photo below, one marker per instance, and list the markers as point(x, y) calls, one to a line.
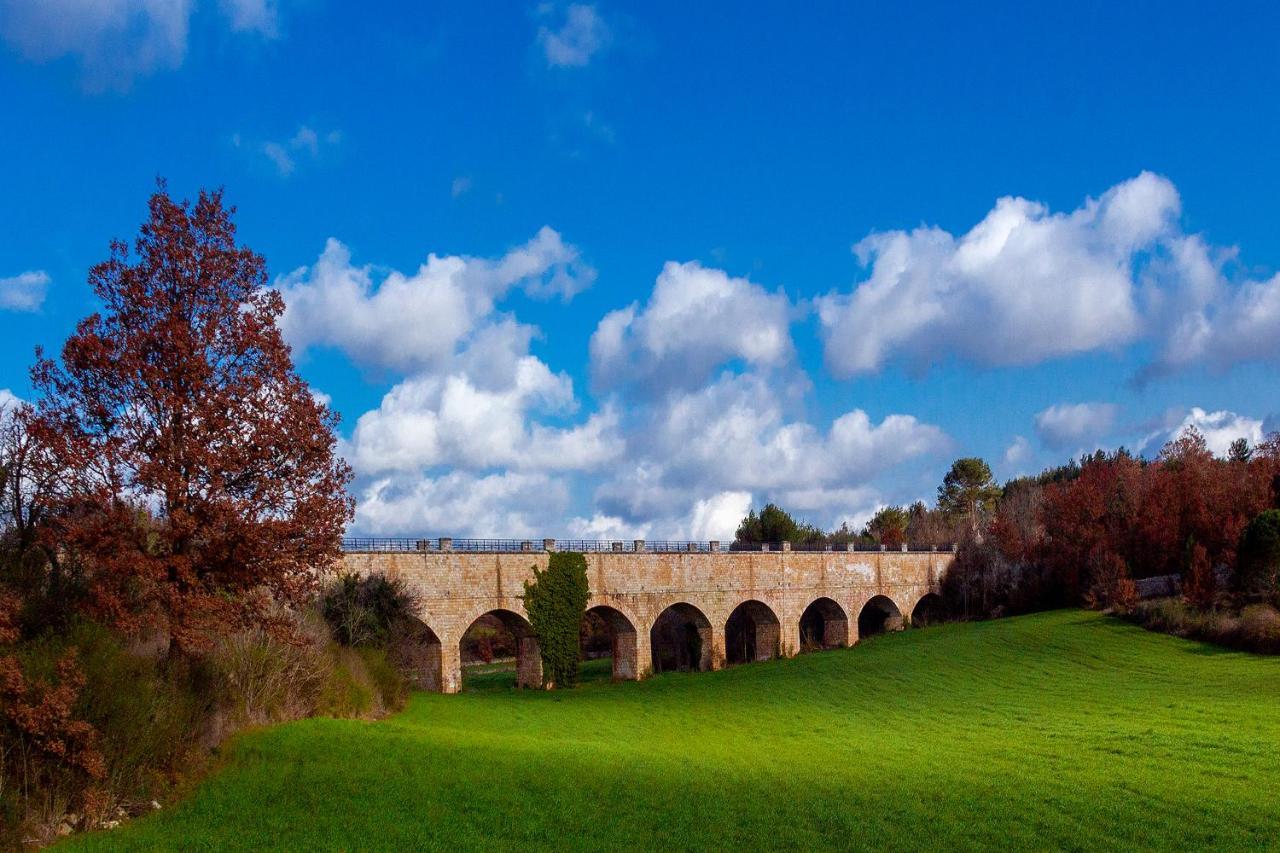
point(556, 600)
point(888, 526)
point(1128, 739)
point(1258, 557)
point(774, 524)
point(363, 611)
point(968, 489)
point(154, 720)
point(146, 722)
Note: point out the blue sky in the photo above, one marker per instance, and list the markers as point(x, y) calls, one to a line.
point(687, 257)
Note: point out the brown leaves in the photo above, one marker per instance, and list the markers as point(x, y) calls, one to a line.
point(40, 713)
point(1199, 584)
point(200, 468)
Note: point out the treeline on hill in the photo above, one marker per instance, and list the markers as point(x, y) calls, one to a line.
point(967, 496)
point(168, 506)
point(1083, 533)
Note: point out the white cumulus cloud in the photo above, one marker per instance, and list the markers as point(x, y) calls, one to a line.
point(429, 421)
point(734, 438)
point(1066, 424)
point(459, 503)
point(1027, 284)
point(478, 437)
point(418, 320)
point(696, 319)
point(1226, 324)
point(24, 292)
point(1023, 285)
point(1219, 429)
point(1017, 453)
point(718, 516)
point(8, 400)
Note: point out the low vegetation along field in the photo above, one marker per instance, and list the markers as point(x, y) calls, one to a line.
point(1062, 729)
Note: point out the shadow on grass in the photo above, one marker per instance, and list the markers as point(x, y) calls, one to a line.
point(501, 675)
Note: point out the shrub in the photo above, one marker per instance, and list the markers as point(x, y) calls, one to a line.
point(556, 600)
point(482, 636)
point(260, 679)
point(1168, 615)
point(1199, 584)
point(1258, 556)
point(91, 729)
point(1259, 629)
point(1256, 628)
point(388, 684)
point(1112, 588)
point(141, 720)
point(364, 610)
point(50, 758)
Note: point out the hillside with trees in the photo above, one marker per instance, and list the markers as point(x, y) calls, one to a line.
point(1083, 533)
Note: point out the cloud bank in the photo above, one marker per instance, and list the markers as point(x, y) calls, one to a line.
point(1028, 285)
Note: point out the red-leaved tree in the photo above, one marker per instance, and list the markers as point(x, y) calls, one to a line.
point(198, 486)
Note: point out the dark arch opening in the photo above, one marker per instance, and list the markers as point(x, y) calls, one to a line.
point(415, 650)
point(878, 615)
point(607, 633)
point(751, 633)
point(499, 649)
point(929, 610)
point(681, 639)
point(823, 625)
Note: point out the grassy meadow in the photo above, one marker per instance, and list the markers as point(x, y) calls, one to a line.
point(1066, 729)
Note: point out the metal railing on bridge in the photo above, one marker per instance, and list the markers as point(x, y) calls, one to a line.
point(366, 544)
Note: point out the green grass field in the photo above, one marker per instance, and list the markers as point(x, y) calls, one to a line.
point(1065, 729)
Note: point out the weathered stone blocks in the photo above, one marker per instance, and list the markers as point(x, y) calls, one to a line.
point(455, 588)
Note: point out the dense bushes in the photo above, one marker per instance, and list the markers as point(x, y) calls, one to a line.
point(556, 600)
point(94, 730)
point(366, 610)
point(1258, 561)
point(1255, 628)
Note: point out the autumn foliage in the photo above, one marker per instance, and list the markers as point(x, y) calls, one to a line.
point(198, 481)
point(42, 739)
point(1082, 532)
point(175, 481)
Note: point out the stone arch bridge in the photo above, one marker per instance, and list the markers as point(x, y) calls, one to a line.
point(667, 605)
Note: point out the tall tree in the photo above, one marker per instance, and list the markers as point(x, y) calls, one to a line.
point(201, 486)
point(969, 491)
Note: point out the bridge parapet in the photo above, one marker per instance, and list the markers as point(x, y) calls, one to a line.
point(360, 545)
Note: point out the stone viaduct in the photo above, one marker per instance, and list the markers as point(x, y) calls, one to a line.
point(667, 605)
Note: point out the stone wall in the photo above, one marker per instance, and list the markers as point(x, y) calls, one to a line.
point(633, 589)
